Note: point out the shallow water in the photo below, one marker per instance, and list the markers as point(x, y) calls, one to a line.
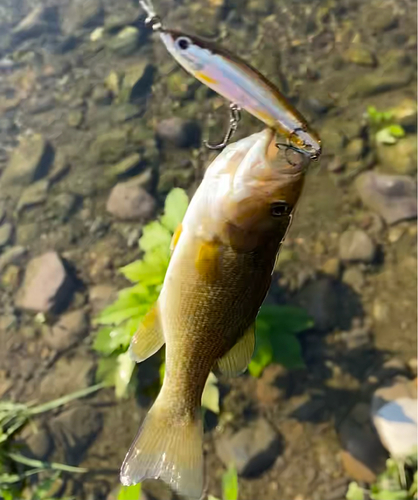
point(83, 86)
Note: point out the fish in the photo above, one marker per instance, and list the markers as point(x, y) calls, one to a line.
point(238, 82)
point(223, 256)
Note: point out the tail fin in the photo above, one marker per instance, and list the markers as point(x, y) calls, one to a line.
point(168, 450)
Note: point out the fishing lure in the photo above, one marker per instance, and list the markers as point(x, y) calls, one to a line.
point(239, 83)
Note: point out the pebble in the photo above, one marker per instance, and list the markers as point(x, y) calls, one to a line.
point(82, 14)
point(252, 449)
point(272, 386)
point(356, 246)
point(136, 81)
point(405, 114)
point(40, 20)
point(125, 43)
point(178, 132)
point(68, 330)
point(29, 162)
point(101, 96)
point(363, 456)
point(128, 201)
point(399, 158)
point(394, 413)
point(33, 195)
point(394, 198)
point(60, 167)
point(40, 444)
point(361, 55)
point(46, 286)
point(378, 81)
point(125, 166)
point(101, 296)
point(6, 234)
point(75, 118)
point(332, 267)
point(13, 255)
point(110, 147)
point(64, 205)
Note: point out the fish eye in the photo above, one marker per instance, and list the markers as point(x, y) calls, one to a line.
point(183, 43)
point(280, 208)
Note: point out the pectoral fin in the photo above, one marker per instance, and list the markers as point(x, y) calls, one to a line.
point(149, 338)
point(237, 359)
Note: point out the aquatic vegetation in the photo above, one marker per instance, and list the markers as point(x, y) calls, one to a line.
point(129, 492)
point(397, 482)
point(277, 326)
point(383, 126)
point(13, 417)
point(229, 485)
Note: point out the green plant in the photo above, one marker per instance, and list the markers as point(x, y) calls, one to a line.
point(276, 325)
point(229, 485)
point(129, 492)
point(13, 416)
point(397, 482)
point(383, 126)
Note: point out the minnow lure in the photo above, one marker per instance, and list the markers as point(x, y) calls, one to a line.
point(239, 83)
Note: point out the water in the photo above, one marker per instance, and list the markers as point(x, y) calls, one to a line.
point(83, 86)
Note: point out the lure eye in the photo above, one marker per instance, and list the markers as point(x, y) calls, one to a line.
point(280, 208)
point(183, 43)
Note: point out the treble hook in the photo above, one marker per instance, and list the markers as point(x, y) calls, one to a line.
point(234, 118)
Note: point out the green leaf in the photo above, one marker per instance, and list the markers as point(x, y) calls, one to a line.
point(354, 492)
point(263, 354)
point(149, 271)
point(125, 367)
point(210, 396)
point(396, 130)
point(106, 371)
point(175, 207)
point(110, 339)
point(130, 302)
point(287, 351)
point(384, 136)
point(129, 492)
point(155, 235)
point(230, 484)
point(210, 497)
point(285, 319)
point(389, 495)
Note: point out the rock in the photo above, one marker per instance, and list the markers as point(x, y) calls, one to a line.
point(363, 456)
point(392, 368)
point(40, 20)
point(332, 267)
point(178, 132)
point(40, 444)
point(125, 42)
point(170, 179)
point(412, 365)
point(75, 118)
point(128, 201)
point(82, 14)
point(101, 96)
point(354, 278)
point(60, 167)
point(47, 285)
point(77, 428)
point(136, 81)
point(66, 376)
point(41, 105)
point(125, 166)
point(112, 82)
point(110, 147)
point(101, 296)
point(399, 158)
point(272, 386)
point(2, 211)
point(13, 255)
point(321, 302)
point(64, 205)
point(394, 198)
point(381, 19)
point(358, 337)
point(361, 55)
point(6, 234)
point(68, 330)
point(356, 246)
point(354, 150)
point(29, 162)
point(252, 449)
point(405, 114)
point(379, 81)
point(394, 413)
point(35, 194)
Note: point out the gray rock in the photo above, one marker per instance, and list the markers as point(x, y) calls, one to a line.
point(394, 198)
point(82, 14)
point(101, 95)
point(68, 330)
point(66, 376)
point(40, 444)
point(41, 105)
point(64, 205)
point(6, 234)
point(178, 132)
point(356, 246)
point(13, 255)
point(381, 19)
point(399, 158)
point(136, 81)
point(75, 118)
point(354, 277)
point(29, 162)
point(110, 147)
point(46, 286)
point(128, 201)
point(252, 450)
point(379, 81)
point(77, 428)
point(33, 195)
point(125, 42)
point(40, 20)
point(60, 167)
point(125, 166)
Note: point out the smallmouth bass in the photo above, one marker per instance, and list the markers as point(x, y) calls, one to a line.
point(220, 271)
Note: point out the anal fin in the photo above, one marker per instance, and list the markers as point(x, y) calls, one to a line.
point(237, 359)
point(149, 338)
